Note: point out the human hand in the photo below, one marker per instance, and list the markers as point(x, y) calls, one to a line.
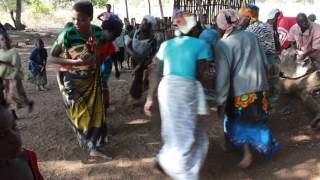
point(6, 63)
point(299, 52)
point(84, 61)
point(299, 55)
point(148, 107)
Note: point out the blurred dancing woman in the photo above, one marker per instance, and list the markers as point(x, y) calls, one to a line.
point(241, 86)
point(11, 73)
point(79, 78)
point(181, 61)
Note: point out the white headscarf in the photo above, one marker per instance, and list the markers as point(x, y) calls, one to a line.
point(150, 19)
point(184, 22)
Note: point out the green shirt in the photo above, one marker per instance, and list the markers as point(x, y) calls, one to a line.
point(70, 37)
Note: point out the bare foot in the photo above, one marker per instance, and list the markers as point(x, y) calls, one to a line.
point(39, 88)
point(45, 88)
point(246, 162)
point(247, 158)
point(95, 153)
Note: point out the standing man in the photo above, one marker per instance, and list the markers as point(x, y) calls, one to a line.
point(107, 15)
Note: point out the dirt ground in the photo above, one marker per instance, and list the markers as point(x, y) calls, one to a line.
point(134, 140)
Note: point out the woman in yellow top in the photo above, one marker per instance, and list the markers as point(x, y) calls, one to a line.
point(10, 72)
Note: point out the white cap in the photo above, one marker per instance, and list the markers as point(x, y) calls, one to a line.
point(273, 13)
point(185, 22)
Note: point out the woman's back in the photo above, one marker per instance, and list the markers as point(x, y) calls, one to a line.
point(241, 64)
point(181, 54)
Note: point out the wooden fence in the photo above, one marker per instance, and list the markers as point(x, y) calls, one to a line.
point(210, 8)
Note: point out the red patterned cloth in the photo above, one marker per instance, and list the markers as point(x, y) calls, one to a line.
point(34, 164)
point(105, 50)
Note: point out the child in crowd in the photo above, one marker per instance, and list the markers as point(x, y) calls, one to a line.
point(11, 72)
point(37, 64)
point(15, 162)
point(111, 30)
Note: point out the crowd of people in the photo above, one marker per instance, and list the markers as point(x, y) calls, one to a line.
point(241, 51)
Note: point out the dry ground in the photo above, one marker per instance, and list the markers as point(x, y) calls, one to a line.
point(134, 140)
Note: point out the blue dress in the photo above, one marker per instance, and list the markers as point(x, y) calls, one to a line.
point(245, 122)
point(37, 65)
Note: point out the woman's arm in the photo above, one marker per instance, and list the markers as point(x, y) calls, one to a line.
point(62, 61)
point(55, 58)
point(5, 63)
point(132, 53)
point(99, 17)
point(16, 60)
point(155, 79)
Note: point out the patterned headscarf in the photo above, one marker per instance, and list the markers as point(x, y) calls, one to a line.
point(184, 22)
point(251, 11)
point(244, 11)
point(227, 20)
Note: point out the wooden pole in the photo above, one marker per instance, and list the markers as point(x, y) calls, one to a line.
point(149, 5)
point(127, 12)
point(199, 5)
point(18, 24)
point(161, 9)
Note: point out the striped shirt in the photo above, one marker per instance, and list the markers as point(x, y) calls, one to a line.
point(70, 37)
point(264, 33)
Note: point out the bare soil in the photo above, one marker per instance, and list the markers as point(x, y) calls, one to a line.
point(134, 140)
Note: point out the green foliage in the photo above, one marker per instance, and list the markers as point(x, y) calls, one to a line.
point(8, 5)
point(39, 8)
point(134, 3)
point(62, 3)
point(99, 3)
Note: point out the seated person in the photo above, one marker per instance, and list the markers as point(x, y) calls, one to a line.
point(16, 163)
point(305, 37)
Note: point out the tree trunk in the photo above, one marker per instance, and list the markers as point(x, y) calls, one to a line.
point(199, 13)
point(149, 5)
point(13, 19)
point(18, 24)
point(127, 12)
